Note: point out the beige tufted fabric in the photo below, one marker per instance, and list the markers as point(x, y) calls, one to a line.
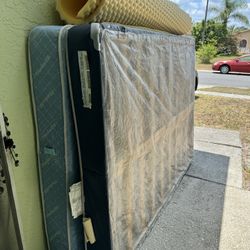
point(155, 14)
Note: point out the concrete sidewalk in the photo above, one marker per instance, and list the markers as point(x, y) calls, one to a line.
point(209, 210)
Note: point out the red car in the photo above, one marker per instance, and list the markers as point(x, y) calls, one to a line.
point(240, 64)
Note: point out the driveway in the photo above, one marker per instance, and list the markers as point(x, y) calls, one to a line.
point(209, 210)
point(228, 80)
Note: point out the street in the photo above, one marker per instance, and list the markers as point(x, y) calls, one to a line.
point(228, 80)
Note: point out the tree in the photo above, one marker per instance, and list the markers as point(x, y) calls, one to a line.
point(217, 35)
point(228, 46)
point(235, 29)
point(230, 10)
point(205, 23)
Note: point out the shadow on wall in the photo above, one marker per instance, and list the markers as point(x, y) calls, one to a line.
point(7, 241)
point(193, 218)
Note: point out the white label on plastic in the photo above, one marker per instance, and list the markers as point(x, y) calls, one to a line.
point(75, 198)
point(85, 78)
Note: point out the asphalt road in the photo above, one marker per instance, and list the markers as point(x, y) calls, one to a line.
point(228, 80)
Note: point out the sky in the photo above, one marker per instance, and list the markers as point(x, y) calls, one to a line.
point(196, 9)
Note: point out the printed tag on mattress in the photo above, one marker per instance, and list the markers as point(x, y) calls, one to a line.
point(75, 198)
point(85, 78)
point(49, 151)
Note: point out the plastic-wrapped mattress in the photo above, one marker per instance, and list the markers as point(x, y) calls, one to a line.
point(132, 93)
point(56, 148)
point(155, 14)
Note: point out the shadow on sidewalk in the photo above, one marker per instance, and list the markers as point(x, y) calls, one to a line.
point(193, 218)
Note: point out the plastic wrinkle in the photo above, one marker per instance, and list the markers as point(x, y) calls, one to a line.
point(148, 103)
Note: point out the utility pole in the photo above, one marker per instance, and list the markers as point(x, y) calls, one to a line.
point(205, 24)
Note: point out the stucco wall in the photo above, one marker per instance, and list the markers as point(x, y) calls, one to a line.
point(16, 19)
point(244, 35)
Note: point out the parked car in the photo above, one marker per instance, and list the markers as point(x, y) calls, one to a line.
point(240, 64)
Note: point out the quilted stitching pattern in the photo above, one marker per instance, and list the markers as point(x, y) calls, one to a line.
point(56, 174)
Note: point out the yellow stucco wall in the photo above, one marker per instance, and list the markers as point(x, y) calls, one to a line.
point(244, 35)
point(16, 19)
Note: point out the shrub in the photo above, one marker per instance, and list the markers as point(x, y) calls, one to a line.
point(216, 34)
point(206, 53)
point(228, 46)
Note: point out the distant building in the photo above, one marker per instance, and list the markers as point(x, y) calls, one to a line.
point(243, 38)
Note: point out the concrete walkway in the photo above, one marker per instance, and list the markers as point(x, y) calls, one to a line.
point(245, 97)
point(209, 210)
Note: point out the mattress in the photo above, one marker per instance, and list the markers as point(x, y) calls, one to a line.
point(132, 92)
point(56, 148)
point(155, 14)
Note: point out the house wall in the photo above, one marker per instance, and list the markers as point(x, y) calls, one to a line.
point(244, 35)
point(16, 19)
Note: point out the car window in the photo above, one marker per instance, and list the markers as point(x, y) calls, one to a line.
point(245, 59)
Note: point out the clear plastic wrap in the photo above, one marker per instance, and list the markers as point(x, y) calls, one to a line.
point(148, 103)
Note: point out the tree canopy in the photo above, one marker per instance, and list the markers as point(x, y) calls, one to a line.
point(230, 10)
point(217, 35)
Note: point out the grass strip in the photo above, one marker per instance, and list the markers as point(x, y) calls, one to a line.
point(237, 91)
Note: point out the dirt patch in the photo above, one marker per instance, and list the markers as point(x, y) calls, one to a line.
point(221, 112)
